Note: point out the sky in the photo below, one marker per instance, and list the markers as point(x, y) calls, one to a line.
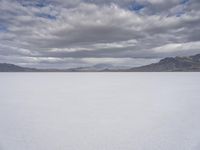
point(79, 33)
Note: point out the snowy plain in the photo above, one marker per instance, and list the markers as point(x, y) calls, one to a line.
point(99, 111)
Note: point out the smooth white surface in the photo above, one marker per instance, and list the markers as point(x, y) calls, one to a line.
point(99, 111)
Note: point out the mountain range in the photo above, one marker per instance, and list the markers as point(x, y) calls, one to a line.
point(169, 64)
point(172, 64)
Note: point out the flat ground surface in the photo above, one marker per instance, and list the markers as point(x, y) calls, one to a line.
point(99, 111)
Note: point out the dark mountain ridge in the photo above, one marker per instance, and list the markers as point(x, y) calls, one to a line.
point(169, 64)
point(172, 64)
point(4, 67)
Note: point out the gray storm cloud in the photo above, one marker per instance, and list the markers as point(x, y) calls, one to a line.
point(72, 33)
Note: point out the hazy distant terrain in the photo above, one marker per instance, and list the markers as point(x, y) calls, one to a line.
point(170, 64)
point(99, 111)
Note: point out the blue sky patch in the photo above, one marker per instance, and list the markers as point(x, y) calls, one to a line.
point(135, 6)
point(179, 14)
point(3, 28)
point(184, 1)
point(46, 16)
point(38, 3)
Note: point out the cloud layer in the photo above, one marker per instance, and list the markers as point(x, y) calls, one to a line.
point(65, 34)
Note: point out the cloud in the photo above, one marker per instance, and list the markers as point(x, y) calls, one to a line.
point(53, 31)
